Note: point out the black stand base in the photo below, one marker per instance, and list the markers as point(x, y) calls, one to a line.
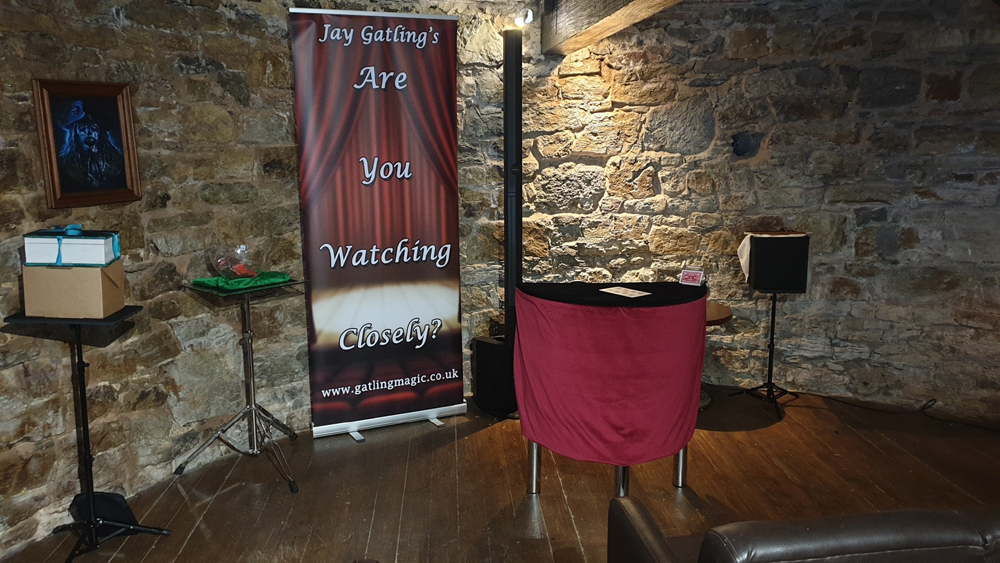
point(112, 518)
point(768, 391)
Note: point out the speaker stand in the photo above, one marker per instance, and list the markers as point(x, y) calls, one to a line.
point(768, 391)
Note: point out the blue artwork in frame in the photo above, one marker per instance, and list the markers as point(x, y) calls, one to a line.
point(85, 129)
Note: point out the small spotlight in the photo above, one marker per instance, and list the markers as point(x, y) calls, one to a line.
point(524, 17)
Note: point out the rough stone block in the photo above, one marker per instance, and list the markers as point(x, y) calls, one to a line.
point(584, 88)
point(888, 86)
point(944, 139)
point(25, 466)
point(622, 227)
point(609, 134)
point(984, 84)
point(579, 68)
point(793, 40)
point(887, 42)
point(479, 43)
point(868, 193)
point(748, 43)
point(839, 39)
point(570, 188)
point(816, 78)
point(642, 187)
point(545, 117)
point(988, 141)
point(629, 89)
point(701, 182)
point(266, 127)
point(670, 241)
point(790, 109)
point(208, 123)
point(740, 113)
point(686, 127)
point(485, 244)
point(556, 145)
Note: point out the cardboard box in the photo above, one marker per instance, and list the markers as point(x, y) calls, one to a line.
point(79, 292)
point(83, 248)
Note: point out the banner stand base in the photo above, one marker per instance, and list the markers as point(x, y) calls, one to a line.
point(354, 427)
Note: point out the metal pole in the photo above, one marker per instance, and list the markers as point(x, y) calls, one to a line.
point(770, 349)
point(621, 480)
point(514, 199)
point(680, 467)
point(86, 458)
point(248, 377)
point(535, 456)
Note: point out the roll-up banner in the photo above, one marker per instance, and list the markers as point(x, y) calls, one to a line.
point(375, 97)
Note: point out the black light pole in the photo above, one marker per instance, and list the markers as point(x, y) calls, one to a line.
point(493, 358)
point(513, 200)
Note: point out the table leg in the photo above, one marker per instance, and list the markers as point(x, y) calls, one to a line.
point(259, 420)
point(85, 459)
point(248, 375)
point(90, 523)
point(680, 467)
point(621, 480)
point(535, 457)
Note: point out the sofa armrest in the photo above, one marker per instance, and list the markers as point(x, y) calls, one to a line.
point(915, 536)
point(633, 537)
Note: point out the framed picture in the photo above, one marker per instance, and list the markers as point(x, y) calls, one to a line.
point(88, 145)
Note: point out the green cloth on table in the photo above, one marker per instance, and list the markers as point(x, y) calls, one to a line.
point(262, 279)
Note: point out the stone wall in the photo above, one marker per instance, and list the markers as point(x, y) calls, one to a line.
point(871, 124)
point(211, 84)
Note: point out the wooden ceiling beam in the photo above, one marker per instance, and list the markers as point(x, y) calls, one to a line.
point(571, 25)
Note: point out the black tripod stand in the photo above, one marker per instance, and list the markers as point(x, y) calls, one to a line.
point(98, 516)
point(769, 391)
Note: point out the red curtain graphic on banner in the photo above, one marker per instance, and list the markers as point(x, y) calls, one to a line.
point(376, 115)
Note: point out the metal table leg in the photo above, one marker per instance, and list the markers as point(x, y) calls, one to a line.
point(259, 420)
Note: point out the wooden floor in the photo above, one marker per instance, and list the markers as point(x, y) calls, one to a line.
point(416, 493)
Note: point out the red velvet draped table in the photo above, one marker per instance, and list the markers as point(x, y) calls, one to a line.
point(607, 378)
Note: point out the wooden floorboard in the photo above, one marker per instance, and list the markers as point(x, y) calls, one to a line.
point(957, 452)
point(334, 519)
point(183, 513)
point(253, 493)
point(428, 519)
point(417, 493)
point(484, 508)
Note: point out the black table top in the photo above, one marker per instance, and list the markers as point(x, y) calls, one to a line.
point(582, 293)
point(110, 320)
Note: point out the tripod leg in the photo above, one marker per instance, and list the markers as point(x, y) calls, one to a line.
point(277, 457)
point(79, 548)
point(137, 528)
point(283, 428)
point(225, 427)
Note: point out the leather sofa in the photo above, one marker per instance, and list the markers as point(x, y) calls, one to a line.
point(912, 536)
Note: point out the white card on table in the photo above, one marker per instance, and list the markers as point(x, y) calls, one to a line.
point(624, 291)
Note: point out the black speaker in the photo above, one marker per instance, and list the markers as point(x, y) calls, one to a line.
point(493, 376)
point(779, 264)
